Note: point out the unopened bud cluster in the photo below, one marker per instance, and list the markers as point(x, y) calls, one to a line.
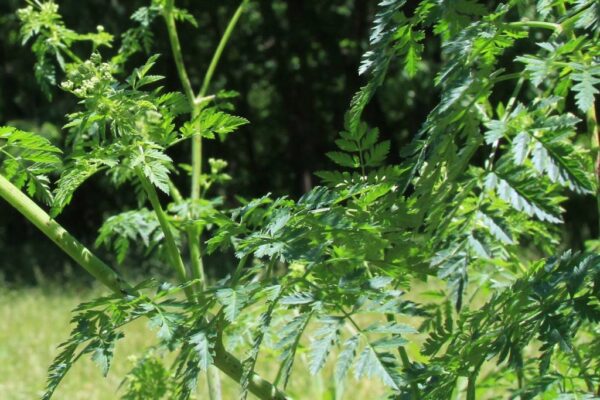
point(90, 78)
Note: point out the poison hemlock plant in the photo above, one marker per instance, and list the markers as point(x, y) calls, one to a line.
point(343, 271)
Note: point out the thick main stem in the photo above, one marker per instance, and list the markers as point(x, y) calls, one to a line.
point(471, 392)
point(224, 360)
point(196, 104)
point(77, 251)
point(194, 232)
point(195, 253)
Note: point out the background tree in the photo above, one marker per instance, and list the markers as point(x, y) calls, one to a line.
point(295, 67)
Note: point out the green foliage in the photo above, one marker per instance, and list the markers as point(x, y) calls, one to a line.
point(27, 159)
point(470, 210)
point(360, 148)
point(587, 78)
point(53, 40)
point(211, 121)
point(136, 226)
point(148, 379)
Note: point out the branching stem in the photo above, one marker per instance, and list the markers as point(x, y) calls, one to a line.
point(196, 103)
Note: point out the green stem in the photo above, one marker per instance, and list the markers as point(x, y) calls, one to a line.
point(194, 233)
point(232, 367)
point(172, 250)
point(591, 118)
point(472, 383)
point(72, 55)
point(175, 193)
point(537, 24)
point(489, 164)
point(567, 22)
point(583, 370)
point(224, 360)
point(506, 77)
point(196, 157)
point(176, 50)
point(214, 383)
point(414, 389)
point(194, 246)
point(77, 251)
point(219, 51)
point(471, 387)
point(594, 132)
point(196, 104)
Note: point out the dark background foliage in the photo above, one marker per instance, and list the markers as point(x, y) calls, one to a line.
point(294, 64)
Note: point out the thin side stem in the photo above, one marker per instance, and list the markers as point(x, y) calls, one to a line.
point(537, 24)
point(414, 389)
point(489, 164)
point(472, 383)
point(176, 50)
point(214, 381)
point(507, 77)
point(583, 370)
point(72, 55)
point(175, 192)
point(171, 246)
point(221, 46)
point(198, 101)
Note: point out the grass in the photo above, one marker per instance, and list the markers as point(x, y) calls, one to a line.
point(34, 321)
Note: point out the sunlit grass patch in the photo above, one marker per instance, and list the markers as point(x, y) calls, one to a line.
point(35, 321)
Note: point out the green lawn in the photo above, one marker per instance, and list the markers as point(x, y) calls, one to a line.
point(33, 322)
